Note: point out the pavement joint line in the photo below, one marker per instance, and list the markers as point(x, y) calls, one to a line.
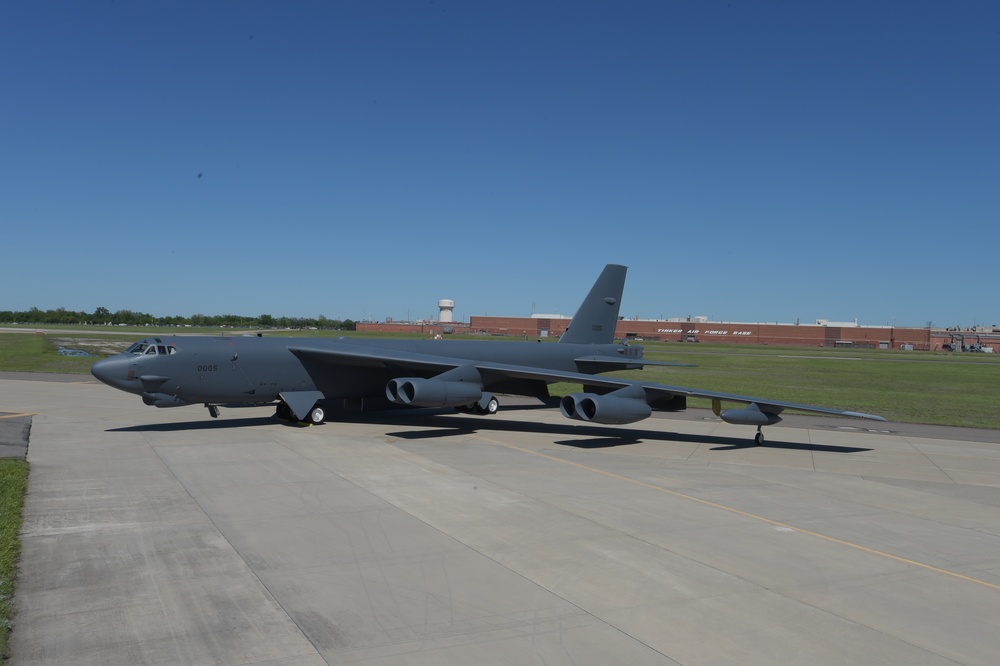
point(928, 459)
point(747, 514)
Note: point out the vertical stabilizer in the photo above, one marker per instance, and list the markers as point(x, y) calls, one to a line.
point(596, 318)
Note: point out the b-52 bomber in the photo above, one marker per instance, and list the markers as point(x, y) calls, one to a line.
point(308, 378)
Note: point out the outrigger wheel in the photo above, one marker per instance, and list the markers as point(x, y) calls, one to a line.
point(316, 415)
point(492, 405)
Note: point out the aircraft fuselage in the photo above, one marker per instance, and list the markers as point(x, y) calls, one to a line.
point(235, 370)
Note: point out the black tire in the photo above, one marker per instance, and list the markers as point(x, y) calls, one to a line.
point(491, 408)
point(316, 415)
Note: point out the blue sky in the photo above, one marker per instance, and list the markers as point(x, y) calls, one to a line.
point(749, 161)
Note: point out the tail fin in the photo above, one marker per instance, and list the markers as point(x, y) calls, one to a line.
point(596, 318)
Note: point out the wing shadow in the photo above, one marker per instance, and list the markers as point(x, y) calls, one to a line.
point(588, 436)
point(205, 424)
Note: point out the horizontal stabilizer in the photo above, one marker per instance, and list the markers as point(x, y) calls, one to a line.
point(631, 362)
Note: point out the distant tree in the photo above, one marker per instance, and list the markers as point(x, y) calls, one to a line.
point(100, 316)
point(103, 315)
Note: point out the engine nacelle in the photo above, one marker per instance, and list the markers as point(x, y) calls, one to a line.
point(163, 400)
point(749, 415)
point(419, 392)
point(605, 409)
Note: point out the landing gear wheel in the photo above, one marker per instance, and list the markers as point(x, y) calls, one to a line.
point(758, 439)
point(316, 415)
point(492, 406)
point(283, 412)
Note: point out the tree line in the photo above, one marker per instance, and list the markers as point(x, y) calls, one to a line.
point(104, 317)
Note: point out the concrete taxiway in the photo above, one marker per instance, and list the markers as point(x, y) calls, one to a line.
point(163, 536)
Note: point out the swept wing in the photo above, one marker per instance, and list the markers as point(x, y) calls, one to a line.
point(454, 381)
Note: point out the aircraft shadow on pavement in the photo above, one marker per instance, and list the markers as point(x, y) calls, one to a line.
point(434, 424)
point(203, 424)
point(591, 437)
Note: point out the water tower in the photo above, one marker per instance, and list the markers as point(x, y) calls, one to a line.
point(445, 309)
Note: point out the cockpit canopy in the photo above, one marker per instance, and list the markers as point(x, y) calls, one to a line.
point(151, 347)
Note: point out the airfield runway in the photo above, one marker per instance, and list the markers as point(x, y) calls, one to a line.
point(162, 536)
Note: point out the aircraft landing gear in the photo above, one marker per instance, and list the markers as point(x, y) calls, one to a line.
point(758, 439)
point(491, 408)
point(213, 410)
point(316, 415)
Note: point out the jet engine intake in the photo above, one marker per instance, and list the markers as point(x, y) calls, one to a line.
point(419, 392)
point(163, 400)
point(749, 415)
point(605, 409)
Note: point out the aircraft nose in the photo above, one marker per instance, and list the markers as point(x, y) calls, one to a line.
point(113, 371)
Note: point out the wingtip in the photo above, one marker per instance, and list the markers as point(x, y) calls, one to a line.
point(870, 417)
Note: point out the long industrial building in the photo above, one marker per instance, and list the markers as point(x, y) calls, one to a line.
point(698, 329)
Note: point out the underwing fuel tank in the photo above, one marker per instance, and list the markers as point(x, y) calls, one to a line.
point(163, 400)
point(419, 392)
point(749, 415)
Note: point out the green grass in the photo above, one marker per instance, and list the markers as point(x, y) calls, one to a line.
point(910, 387)
point(905, 391)
point(942, 388)
point(34, 352)
point(13, 482)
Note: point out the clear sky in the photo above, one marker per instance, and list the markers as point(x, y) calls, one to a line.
point(749, 161)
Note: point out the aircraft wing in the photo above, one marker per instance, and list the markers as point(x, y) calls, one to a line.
point(385, 358)
point(489, 372)
point(378, 358)
point(493, 373)
point(772, 406)
point(654, 391)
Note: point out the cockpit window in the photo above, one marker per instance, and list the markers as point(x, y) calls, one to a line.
point(145, 348)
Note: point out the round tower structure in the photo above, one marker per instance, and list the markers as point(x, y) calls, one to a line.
point(445, 309)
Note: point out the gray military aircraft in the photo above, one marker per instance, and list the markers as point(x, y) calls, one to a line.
point(308, 377)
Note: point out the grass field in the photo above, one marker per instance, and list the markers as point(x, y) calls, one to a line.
point(913, 387)
point(941, 388)
point(13, 481)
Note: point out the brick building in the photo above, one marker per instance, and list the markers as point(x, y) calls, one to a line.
point(821, 334)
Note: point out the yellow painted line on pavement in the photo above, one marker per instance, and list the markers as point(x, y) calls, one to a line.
point(747, 514)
